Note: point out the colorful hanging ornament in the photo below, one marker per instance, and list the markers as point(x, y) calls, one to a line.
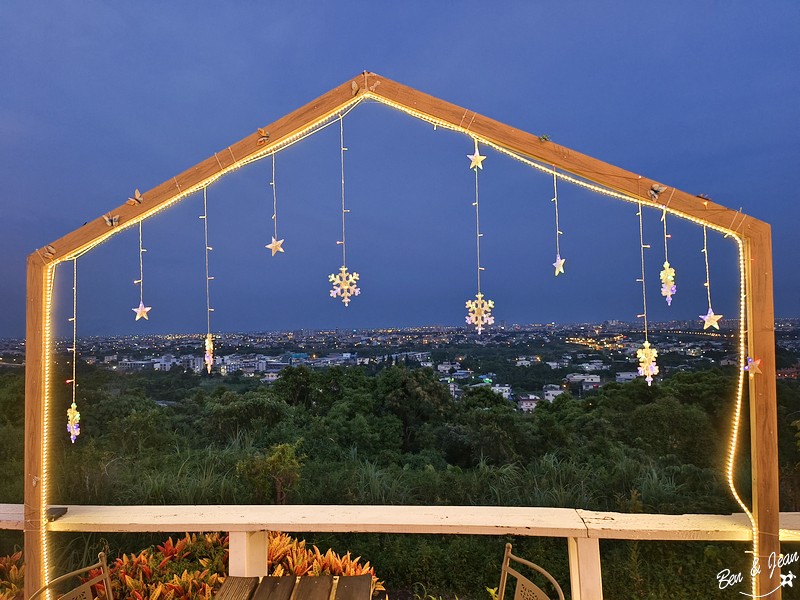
point(667, 275)
point(646, 355)
point(479, 311)
point(208, 358)
point(209, 355)
point(275, 245)
point(709, 319)
point(73, 416)
point(647, 362)
point(142, 310)
point(752, 366)
point(559, 264)
point(344, 283)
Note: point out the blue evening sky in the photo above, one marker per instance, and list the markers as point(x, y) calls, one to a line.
point(99, 98)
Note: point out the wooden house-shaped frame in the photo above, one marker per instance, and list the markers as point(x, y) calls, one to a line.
point(753, 236)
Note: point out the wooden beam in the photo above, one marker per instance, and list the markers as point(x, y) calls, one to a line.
point(763, 406)
point(36, 321)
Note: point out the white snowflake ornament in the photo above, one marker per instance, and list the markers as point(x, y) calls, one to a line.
point(344, 285)
point(480, 312)
point(647, 362)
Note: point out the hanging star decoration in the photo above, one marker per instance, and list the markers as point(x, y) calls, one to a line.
point(137, 199)
point(559, 264)
point(710, 319)
point(647, 362)
point(480, 312)
point(656, 190)
point(752, 366)
point(73, 422)
point(275, 246)
point(344, 285)
point(141, 311)
point(476, 160)
point(668, 282)
point(208, 359)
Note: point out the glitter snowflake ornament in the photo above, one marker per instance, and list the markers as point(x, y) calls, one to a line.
point(73, 422)
point(480, 312)
point(344, 285)
point(647, 362)
point(668, 283)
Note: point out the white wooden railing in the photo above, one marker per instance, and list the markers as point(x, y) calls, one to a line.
point(248, 526)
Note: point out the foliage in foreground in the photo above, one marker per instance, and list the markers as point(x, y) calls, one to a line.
point(194, 568)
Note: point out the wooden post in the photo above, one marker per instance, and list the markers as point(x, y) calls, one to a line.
point(763, 404)
point(247, 555)
point(584, 568)
point(37, 319)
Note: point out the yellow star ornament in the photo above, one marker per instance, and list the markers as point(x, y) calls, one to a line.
point(275, 246)
point(710, 319)
point(559, 264)
point(476, 159)
point(141, 311)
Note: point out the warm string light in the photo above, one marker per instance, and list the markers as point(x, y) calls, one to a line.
point(276, 245)
point(73, 416)
point(667, 275)
point(559, 264)
point(344, 283)
point(646, 355)
point(709, 319)
point(209, 354)
point(479, 311)
point(47, 360)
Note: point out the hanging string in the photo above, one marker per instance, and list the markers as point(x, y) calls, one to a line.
point(478, 230)
point(341, 143)
point(274, 200)
point(276, 244)
point(559, 264)
point(344, 283)
point(209, 355)
point(479, 311)
point(646, 355)
point(142, 310)
point(73, 416)
point(709, 319)
point(644, 291)
point(705, 255)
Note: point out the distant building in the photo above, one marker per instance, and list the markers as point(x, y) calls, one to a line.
point(503, 390)
point(626, 377)
point(552, 391)
point(527, 403)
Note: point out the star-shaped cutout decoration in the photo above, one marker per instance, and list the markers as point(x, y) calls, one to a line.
point(559, 264)
point(752, 366)
point(476, 159)
point(275, 246)
point(142, 311)
point(787, 579)
point(710, 319)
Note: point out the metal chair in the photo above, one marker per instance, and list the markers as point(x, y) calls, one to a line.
point(525, 590)
point(83, 591)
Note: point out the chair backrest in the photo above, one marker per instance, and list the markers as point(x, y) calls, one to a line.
point(526, 589)
point(83, 591)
